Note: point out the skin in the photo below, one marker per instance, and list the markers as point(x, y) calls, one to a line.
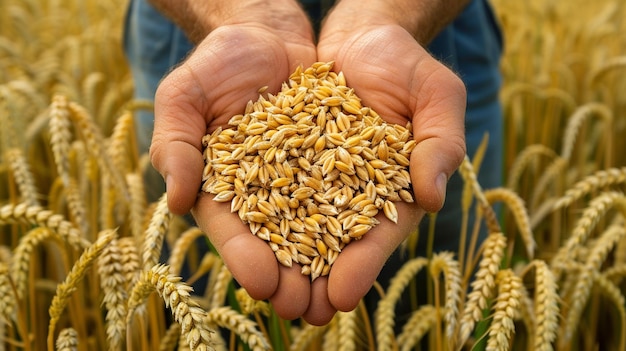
point(380, 50)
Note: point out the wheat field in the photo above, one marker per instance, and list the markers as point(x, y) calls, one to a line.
point(80, 247)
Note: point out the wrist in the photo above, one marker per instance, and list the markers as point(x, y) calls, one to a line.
point(423, 19)
point(198, 18)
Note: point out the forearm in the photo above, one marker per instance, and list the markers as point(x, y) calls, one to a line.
point(424, 19)
point(198, 18)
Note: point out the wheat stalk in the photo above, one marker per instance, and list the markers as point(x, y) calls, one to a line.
point(385, 312)
point(444, 262)
point(182, 244)
point(526, 156)
point(74, 277)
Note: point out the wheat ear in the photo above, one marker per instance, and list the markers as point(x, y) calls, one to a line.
point(306, 336)
point(576, 120)
point(599, 180)
point(67, 340)
point(95, 143)
point(546, 311)
point(587, 221)
point(584, 283)
point(23, 176)
point(385, 312)
point(528, 155)
point(20, 262)
point(75, 276)
point(444, 262)
point(515, 203)
point(36, 215)
point(483, 285)
point(226, 317)
point(7, 299)
point(169, 341)
point(181, 245)
point(119, 150)
point(220, 287)
point(155, 233)
point(506, 309)
point(60, 135)
point(176, 296)
point(112, 279)
point(130, 261)
point(137, 203)
point(347, 330)
point(421, 321)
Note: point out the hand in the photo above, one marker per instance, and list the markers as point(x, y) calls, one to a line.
point(395, 76)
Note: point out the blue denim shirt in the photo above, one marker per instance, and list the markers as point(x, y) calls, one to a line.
point(471, 45)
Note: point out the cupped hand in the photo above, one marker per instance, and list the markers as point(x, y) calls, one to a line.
point(396, 77)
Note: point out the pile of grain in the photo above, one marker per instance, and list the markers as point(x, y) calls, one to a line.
point(309, 168)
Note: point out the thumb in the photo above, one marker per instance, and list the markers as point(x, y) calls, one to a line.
point(176, 149)
point(439, 132)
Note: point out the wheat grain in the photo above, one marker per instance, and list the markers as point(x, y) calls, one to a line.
point(289, 150)
point(483, 285)
point(516, 205)
point(67, 340)
point(176, 296)
point(385, 312)
point(506, 309)
point(422, 320)
point(74, 277)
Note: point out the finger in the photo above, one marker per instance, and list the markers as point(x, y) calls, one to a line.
point(360, 262)
point(320, 310)
point(439, 132)
point(176, 146)
point(292, 294)
point(249, 259)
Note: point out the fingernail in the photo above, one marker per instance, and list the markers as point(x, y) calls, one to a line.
point(441, 183)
